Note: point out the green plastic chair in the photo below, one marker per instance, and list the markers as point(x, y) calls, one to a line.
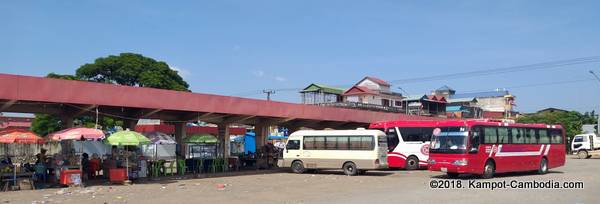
point(200, 165)
point(215, 166)
point(181, 168)
point(158, 168)
point(170, 169)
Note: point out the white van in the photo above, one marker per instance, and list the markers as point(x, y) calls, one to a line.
point(585, 145)
point(354, 151)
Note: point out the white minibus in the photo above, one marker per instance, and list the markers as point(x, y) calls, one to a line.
point(354, 151)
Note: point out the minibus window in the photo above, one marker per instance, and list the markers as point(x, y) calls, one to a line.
point(293, 144)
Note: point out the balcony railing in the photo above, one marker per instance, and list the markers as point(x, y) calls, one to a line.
point(364, 106)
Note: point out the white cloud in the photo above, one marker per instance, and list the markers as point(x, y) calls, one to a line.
point(279, 78)
point(182, 72)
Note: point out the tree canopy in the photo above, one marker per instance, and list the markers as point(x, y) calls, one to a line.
point(132, 70)
point(572, 121)
point(126, 69)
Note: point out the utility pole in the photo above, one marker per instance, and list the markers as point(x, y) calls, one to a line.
point(597, 78)
point(407, 95)
point(269, 92)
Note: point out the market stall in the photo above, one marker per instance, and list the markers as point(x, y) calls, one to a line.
point(73, 172)
point(128, 140)
point(202, 151)
point(19, 136)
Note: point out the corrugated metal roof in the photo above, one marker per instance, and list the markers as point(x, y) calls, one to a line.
point(487, 94)
point(324, 88)
point(414, 97)
point(459, 100)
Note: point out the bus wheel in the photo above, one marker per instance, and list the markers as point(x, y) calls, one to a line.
point(412, 163)
point(543, 166)
point(298, 167)
point(488, 170)
point(452, 175)
point(582, 154)
point(350, 169)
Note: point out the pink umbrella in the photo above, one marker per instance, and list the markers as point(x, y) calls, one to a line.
point(77, 134)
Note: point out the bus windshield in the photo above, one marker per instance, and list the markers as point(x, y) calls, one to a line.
point(449, 140)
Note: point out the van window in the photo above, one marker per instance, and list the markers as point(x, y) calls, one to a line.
point(293, 144)
point(339, 142)
point(578, 139)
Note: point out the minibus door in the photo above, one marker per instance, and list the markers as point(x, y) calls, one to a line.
point(292, 152)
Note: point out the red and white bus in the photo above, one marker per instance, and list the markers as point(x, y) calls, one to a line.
point(486, 147)
point(408, 142)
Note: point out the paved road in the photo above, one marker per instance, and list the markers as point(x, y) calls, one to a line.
point(330, 187)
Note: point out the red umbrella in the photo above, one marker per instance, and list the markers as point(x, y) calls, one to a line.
point(18, 136)
point(77, 134)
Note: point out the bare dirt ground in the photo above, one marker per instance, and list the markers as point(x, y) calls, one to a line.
point(328, 187)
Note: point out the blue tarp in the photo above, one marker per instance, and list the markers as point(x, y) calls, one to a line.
point(249, 142)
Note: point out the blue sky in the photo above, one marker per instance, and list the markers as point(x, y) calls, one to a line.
point(241, 47)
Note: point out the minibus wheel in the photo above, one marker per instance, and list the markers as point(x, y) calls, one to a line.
point(350, 169)
point(298, 167)
point(488, 170)
point(543, 166)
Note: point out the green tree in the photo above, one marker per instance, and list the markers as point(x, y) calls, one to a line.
point(43, 124)
point(571, 121)
point(126, 69)
point(62, 76)
point(132, 70)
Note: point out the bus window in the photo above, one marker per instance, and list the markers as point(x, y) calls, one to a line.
point(413, 134)
point(410, 134)
point(319, 142)
point(503, 135)
point(392, 139)
point(544, 138)
point(530, 136)
point(330, 142)
point(309, 143)
point(490, 136)
point(556, 136)
point(342, 143)
point(517, 136)
point(475, 138)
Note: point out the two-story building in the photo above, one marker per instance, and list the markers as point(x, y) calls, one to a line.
point(490, 104)
point(318, 93)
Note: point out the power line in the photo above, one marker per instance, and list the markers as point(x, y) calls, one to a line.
point(537, 84)
point(493, 71)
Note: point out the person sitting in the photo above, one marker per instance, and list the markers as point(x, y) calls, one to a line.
point(6, 160)
point(94, 165)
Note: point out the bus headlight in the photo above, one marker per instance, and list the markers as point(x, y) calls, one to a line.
point(462, 162)
point(431, 161)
